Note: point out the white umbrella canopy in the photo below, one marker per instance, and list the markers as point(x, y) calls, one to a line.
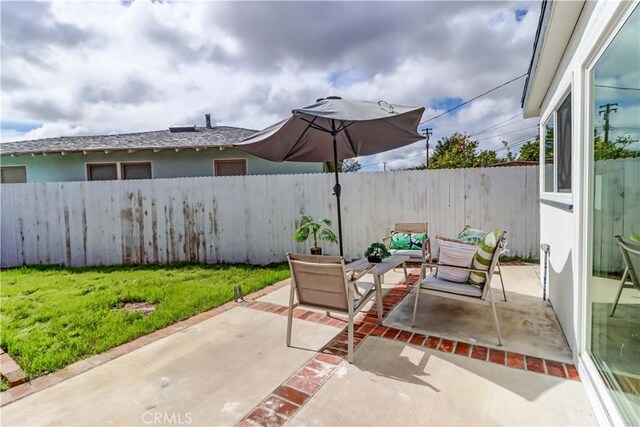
point(335, 129)
point(361, 128)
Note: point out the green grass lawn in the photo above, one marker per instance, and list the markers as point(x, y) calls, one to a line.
point(51, 317)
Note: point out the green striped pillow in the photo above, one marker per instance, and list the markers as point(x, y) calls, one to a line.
point(482, 260)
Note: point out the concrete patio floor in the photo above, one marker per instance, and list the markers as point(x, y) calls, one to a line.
point(393, 383)
point(219, 370)
point(213, 373)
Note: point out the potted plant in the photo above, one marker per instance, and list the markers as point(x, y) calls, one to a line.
point(319, 230)
point(377, 252)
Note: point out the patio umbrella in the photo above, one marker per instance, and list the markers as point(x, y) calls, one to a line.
point(335, 129)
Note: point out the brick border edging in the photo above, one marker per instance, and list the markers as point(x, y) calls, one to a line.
point(287, 399)
point(10, 370)
point(21, 390)
point(367, 325)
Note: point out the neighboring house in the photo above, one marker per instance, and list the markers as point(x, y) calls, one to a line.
point(584, 84)
point(184, 151)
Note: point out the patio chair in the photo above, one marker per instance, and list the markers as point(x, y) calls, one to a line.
point(431, 285)
point(631, 276)
point(415, 255)
point(322, 282)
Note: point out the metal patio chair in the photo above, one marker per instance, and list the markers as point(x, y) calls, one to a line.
point(431, 285)
point(415, 255)
point(322, 282)
point(630, 279)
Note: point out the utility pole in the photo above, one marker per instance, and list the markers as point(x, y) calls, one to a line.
point(384, 165)
point(427, 132)
point(604, 111)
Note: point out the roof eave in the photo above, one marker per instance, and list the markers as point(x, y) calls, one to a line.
point(112, 150)
point(555, 27)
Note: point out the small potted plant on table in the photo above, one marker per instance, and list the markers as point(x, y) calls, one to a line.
point(319, 230)
point(377, 252)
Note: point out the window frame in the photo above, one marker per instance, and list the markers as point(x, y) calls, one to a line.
point(123, 164)
point(230, 159)
point(119, 174)
point(590, 374)
point(26, 173)
point(555, 195)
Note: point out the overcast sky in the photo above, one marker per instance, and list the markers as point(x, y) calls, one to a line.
point(100, 68)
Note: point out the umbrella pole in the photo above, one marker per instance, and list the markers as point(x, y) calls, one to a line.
point(336, 188)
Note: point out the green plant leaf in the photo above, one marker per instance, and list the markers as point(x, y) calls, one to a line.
point(377, 249)
point(328, 236)
point(301, 234)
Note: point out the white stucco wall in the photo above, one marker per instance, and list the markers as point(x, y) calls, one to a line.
point(567, 231)
point(558, 232)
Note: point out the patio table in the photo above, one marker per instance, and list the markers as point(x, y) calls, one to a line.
point(383, 267)
point(378, 273)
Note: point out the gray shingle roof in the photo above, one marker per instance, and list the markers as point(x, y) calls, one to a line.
point(159, 139)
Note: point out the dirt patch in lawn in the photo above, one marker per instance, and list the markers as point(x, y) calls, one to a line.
point(143, 307)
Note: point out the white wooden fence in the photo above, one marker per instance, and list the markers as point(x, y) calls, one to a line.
point(616, 210)
point(251, 219)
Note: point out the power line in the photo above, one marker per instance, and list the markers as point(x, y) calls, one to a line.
point(619, 87)
point(517, 143)
point(506, 133)
point(472, 99)
point(497, 126)
point(513, 144)
point(419, 153)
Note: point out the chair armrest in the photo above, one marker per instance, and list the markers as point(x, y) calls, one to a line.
point(388, 238)
point(362, 273)
point(426, 244)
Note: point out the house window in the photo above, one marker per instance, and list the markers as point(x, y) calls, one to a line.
point(549, 145)
point(118, 170)
point(136, 170)
point(556, 162)
point(230, 167)
point(102, 171)
point(563, 146)
point(13, 174)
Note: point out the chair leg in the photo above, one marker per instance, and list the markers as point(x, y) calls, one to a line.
point(350, 335)
point(415, 307)
point(290, 315)
point(495, 316)
point(379, 307)
point(504, 294)
point(417, 287)
point(406, 276)
point(615, 303)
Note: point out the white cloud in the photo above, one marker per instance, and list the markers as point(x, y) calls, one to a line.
point(88, 68)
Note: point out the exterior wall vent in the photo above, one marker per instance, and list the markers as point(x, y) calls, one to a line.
point(182, 128)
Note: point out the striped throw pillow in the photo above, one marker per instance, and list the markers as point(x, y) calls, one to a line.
point(458, 254)
point(482, 260)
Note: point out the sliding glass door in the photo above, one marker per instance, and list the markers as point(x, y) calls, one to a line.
point(615, 333)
